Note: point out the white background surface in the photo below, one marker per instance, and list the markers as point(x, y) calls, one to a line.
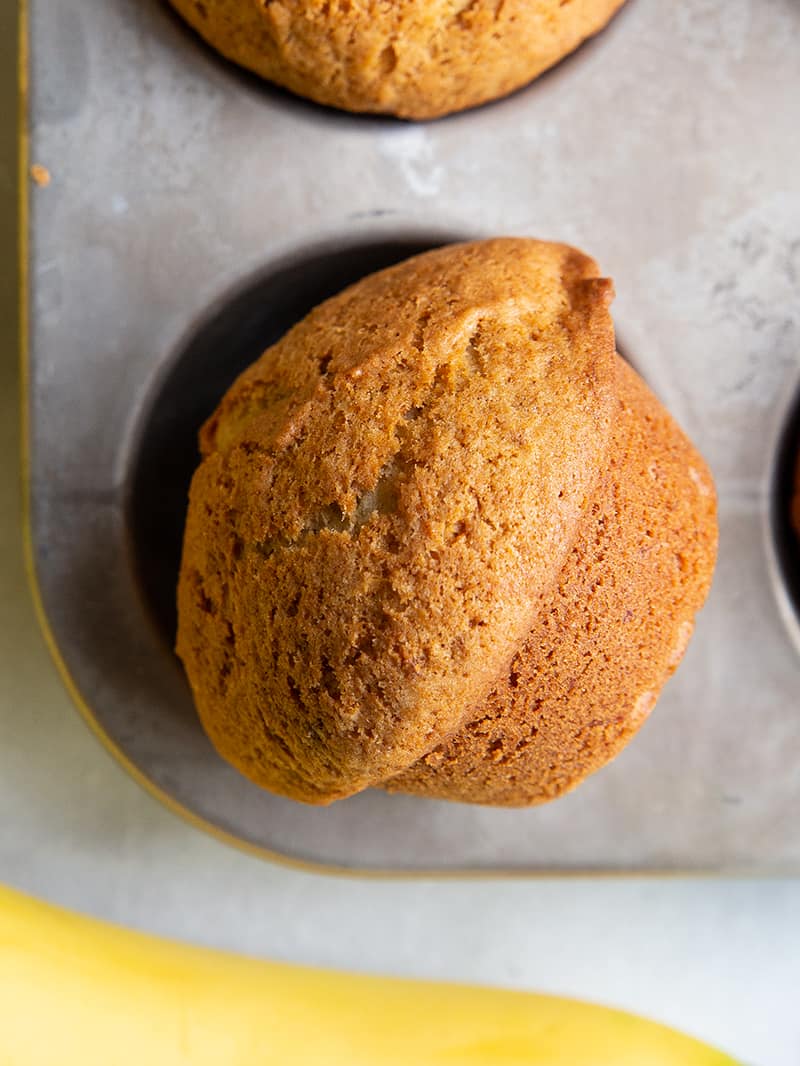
point(719, 959)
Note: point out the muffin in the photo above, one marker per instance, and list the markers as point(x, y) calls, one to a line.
point(413, 58)
point(441, 538)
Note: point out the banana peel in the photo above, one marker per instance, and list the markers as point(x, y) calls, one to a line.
point(77, 991)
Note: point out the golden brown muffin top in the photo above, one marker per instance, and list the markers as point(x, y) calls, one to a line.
point(383, 496)
point(413, 58)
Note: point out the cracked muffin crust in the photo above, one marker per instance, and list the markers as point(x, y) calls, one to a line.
point(384, 495)
point(417, 59)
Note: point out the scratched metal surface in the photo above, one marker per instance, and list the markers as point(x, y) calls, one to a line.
point(667, 148)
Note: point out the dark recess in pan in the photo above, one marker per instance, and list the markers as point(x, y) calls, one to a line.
point(785, 537)
point(230, 337)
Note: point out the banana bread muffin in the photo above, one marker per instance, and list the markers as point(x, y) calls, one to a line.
point(383, 496)
point(441, 538)
point(413, 58)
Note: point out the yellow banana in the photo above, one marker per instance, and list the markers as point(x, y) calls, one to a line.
point(76, 991)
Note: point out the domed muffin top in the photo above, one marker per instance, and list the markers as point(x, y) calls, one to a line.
point(383, 497)
point(413, 58)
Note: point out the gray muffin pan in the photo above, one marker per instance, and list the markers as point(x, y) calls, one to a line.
point(195, 213)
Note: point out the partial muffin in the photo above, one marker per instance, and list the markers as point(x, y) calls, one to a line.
point(607, 636)
point(413, 58)
point(385, 497)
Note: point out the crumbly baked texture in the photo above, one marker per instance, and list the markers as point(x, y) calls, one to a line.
point(413, 58)
point(607, 636)
point(384, 498)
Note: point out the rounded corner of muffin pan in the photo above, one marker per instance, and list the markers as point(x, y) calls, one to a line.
point(782, 538)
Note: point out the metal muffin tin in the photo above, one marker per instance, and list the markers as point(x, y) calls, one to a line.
point(194, 213)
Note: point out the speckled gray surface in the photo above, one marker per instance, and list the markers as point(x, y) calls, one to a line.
point(666, 147)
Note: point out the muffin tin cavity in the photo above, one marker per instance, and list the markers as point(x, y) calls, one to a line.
point(783, 534)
